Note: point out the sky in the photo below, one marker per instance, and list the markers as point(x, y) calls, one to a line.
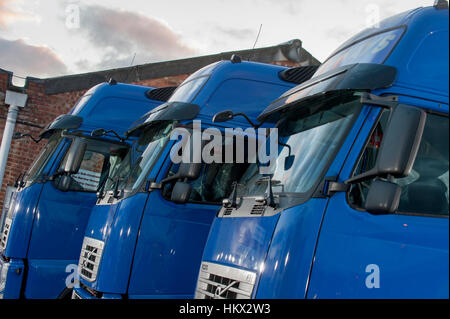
point(47, 38)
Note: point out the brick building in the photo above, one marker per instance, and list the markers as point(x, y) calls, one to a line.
point(48, 98)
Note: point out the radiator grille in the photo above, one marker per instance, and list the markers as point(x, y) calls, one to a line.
point(222, 282)
point(75, 295)
point(91, 254)
point(258, 209)
point(5, 233)
point(300, 74)
point(161, 94)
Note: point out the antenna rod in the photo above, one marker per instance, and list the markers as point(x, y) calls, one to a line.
point(256, 41)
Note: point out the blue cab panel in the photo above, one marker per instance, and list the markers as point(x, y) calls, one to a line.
point(151, 246)
point(325, 242)
point(45, 226)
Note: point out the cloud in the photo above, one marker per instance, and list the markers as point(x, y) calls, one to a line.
point(9, 12)
point(120, 34)
point(29, 60)
point(235, 33)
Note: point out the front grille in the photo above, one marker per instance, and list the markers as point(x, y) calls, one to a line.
point(91, 254)
point(5, 233)
point(223, 282)
point(258, 209)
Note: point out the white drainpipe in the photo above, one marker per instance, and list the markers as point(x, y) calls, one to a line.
point(14, 100)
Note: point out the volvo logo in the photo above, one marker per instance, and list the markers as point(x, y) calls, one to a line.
point(220, 291)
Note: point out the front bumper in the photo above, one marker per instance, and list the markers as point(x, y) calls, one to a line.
point(81, 293)
point(11, 275)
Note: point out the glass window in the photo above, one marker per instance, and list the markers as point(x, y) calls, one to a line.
point(187, 91)
point(375, 49)
point(80, 104)
point(426, 189)
point(95, 165)
point(312, 133)
point(214, 183)
point(251, 96)
point(145, 152)
point(41, 161)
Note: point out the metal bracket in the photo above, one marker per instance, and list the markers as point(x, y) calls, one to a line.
point(386, 102)
point(329, 186)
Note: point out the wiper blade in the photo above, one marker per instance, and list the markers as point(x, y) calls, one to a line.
point(266, 179)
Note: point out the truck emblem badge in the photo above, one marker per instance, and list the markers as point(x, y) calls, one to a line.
point(219, 291)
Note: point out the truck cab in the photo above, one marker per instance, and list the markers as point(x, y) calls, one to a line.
point(145, 237)
point(44, 227)
point(362, 212)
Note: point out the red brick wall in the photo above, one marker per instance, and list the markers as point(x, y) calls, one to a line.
point(42, 109)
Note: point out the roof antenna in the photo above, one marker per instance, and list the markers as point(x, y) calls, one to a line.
point(254, 45)
point(129, 71)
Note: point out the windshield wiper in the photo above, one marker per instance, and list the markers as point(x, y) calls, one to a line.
point(269, 199)
point(233, 196)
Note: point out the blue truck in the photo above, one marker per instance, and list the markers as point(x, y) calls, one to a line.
point(146, 234)
point(43, 229)
point(362, 211)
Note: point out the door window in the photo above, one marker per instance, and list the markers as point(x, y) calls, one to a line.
point(426, 190)
point(214, 183)
point(97, 161)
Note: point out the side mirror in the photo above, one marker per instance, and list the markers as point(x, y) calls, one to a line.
point(98, 132)
point(190, 171)
point(223, 116)
point(288, 162)
point(17, 135)
point(181, 192)
point(63, 183)
point(383, 197)
point(75, 156)
point(399, 146)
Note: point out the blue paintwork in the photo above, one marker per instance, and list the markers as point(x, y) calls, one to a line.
point(48, 225)
point(167, 239)
point(320, 249)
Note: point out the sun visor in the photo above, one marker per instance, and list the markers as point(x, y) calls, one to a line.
point(62, 122)
point(171, 111)
point(357, 77)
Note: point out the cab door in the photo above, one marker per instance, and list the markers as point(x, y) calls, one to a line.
point(172, 236)
point(400, 255)
point(58, 227)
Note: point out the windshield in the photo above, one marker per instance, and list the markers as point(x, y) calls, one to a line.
point(41, 161)
point(187, 91)
point(130, 170)
point(312, 134)
point(375, 49)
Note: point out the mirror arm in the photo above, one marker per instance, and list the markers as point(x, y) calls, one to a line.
point(248, 120)
point(155, 185)
point(286, 145)
point(19, 135)
point(362, 177)
point(122, 139)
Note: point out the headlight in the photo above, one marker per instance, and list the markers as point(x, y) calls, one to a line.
point(3, 274)
point(6, 223)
